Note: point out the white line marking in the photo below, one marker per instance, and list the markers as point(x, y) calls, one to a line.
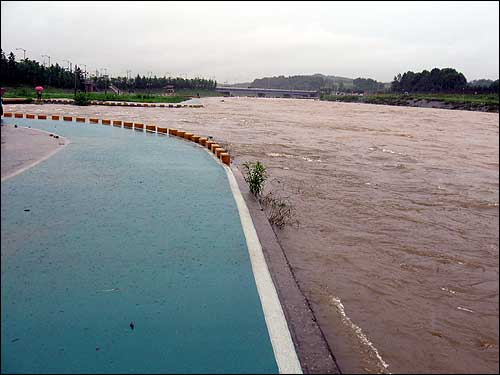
point(281, 340)
point(31, 165)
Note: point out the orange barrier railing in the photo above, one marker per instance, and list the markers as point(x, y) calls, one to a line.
point(213, 146)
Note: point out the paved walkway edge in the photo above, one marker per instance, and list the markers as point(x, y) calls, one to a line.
point(313, 350)
point(284, 349)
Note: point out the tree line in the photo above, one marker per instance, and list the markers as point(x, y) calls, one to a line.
point(446, 80)
point(299, 82)
point(31, 72)
point(156, 83)
point(319, 82)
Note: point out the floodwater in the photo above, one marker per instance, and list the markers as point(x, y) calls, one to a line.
point(397, 243)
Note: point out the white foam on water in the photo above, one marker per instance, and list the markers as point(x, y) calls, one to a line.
point(288, 156)
point(359, 333)
point(276, 154)
point(448, 290)
point(311, 160)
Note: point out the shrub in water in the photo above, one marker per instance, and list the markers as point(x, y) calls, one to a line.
point(81, 99)
point(255, 176)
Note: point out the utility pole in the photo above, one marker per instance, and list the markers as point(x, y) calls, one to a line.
point(149, 82)
point(85, 78)
point(75, 77)
point(128, 80)
point(105, 80)
point(24, 52)
point(69, 65)
point(48, 57)
point(49, 67)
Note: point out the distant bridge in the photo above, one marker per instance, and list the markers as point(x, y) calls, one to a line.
point(267, 93)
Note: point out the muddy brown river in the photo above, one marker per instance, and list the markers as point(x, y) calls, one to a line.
point(397, 242)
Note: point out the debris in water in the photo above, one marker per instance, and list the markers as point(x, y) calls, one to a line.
point(132, 325)
point(16, 339)
point(97, 348)
point(437, 334)
point(109, 290)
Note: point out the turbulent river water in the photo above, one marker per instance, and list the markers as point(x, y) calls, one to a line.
point(397, 242)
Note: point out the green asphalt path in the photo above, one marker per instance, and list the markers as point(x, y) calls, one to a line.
point(126, 227)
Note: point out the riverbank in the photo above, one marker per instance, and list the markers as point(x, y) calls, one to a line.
point(481, 103)
point(143, 96)
point(396, 251)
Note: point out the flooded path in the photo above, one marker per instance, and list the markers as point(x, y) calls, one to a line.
point(397, 247)
point(125, 254)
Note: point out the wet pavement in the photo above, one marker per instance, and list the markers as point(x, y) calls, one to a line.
point(124, 253)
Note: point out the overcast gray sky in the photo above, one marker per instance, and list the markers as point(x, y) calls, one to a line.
point(240, 41)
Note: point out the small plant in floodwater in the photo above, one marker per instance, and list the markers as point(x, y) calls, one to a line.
point(81, 99)
point(277, 206)
point(255, 176)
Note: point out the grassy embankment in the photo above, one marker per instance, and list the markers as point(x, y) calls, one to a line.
point(480, 102)
point(143, 96)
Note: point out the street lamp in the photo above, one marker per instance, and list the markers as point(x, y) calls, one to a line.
point(24, 52)
point(85, 71)
point(84, 77)
point(49, 67)
point(149, 82)
point(69, 65)
point(48, 57)
point(105, 80)
point(129, 75)
point(74, 76)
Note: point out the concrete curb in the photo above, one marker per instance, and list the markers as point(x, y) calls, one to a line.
point(312, 348)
